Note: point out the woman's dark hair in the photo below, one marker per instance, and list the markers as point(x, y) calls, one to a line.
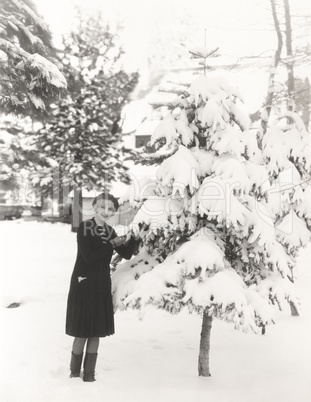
point(106, 196)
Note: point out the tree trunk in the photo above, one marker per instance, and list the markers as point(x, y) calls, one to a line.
point(276, 60)
point(205, 345)
point(289, 62)
point(55, 192)
point(76, 209)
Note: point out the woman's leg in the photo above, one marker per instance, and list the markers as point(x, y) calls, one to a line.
point(92, 345)
point(90, 359)
point(76, 356)
point(78, 345)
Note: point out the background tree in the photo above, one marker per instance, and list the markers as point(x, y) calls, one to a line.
point(222, 223)
point(287, 34)
point(83, 132)
point(302, 99)
point(29, 74)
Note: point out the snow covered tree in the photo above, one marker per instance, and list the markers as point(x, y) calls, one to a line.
point(29, 74)
point(222, 223)
point(84, 130)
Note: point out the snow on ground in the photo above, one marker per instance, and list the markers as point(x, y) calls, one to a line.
point(150, 360)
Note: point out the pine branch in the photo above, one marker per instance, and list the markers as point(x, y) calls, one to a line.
point(23, 8)
point(199, 56)
point(170, 105)
point(176, 91)
point(182, 84)
point(157, 158)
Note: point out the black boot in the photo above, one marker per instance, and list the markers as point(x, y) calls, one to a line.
point(89, 367)
point(75, 365)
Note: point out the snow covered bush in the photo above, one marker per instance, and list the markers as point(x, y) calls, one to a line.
point(222, 224)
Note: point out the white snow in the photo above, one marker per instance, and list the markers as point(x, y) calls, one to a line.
point(229, 141)
point(211, 115)
point(200, 252)
point(152, 285)
point(227, 167)
point(38, 102)
point(154, 359)
point(222, 288)
point(139, 190)
point(48, 70)
point(202, 89)
point(227, 87)
point(137, 174)
point(240, 117)
point(294, 143)
point(180, 170)
point(216, 199)
point(183, 128)
point(205, 160)
point(165, 129)
point(293, 232)
point(257, 174)
point(159, 212)
point(125, 277)
point(171, 129)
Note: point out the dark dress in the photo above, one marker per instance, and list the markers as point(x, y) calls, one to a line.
point(89, 305)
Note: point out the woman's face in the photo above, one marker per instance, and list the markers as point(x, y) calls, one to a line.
point(104, 209)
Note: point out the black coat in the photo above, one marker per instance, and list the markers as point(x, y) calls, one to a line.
point(89, 306)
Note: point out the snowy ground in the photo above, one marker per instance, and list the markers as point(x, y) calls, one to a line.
point(154, 359)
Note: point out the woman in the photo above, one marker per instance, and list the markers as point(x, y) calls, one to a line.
point(89, 307)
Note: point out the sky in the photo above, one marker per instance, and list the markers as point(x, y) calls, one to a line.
point(239, 27)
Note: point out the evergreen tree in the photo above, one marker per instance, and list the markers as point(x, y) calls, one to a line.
point(222, 223)
point(19, 157)
point(29, 74)
point(83, 132)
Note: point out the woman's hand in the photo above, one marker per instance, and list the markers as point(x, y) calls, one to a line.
point(118, 241)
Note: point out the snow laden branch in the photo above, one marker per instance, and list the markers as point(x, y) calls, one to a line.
point(197, 276)
point(203, 52)
point(46, 70)
point(145, 158)
point(30, 76)
point(204, 106)
point(24, 8)
point(171, 105)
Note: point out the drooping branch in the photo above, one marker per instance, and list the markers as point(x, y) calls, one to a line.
point(170, 105)
point(23, 8)
point(198, 55)
point(174, 90)
point(152, 159)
